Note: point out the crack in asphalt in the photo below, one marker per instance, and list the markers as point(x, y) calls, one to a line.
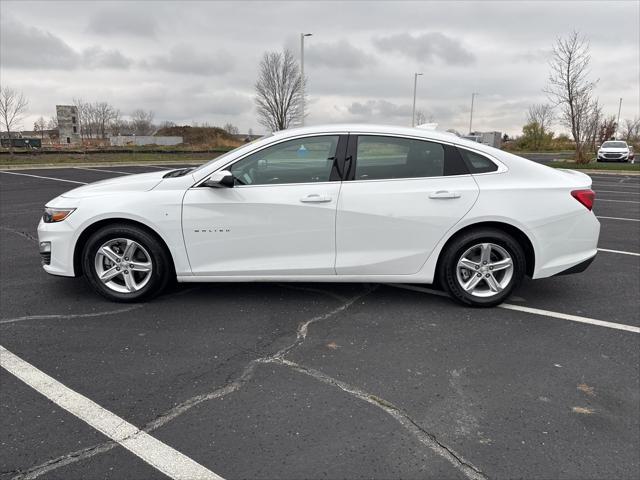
point(70, 315)
point(277, 358)
point(402, 417)
point(26, 235)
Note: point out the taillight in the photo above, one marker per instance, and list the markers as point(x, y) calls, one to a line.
point(585, 197)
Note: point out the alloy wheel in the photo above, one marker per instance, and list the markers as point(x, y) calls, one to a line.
point(123, 265)
point(484, 270)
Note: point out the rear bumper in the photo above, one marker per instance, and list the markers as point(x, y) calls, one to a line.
point(577, 268)
point(566, 243)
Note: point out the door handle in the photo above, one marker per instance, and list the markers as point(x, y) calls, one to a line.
point(444, 194)
point(315, 198)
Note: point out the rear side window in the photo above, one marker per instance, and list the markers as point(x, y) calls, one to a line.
point(381, 157)
point(477, 163)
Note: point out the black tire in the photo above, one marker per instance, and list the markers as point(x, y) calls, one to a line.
point(162, 269)
point(447, 273)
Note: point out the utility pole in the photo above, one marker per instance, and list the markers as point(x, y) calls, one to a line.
point(615, 135)
point(415, 85)
point(302, 35)
point(473, 96)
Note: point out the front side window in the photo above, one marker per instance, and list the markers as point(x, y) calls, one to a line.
point(381, 157)
point(303, 160)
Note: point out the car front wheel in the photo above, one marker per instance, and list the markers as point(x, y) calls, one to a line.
point(482, 267)
point(125, 263)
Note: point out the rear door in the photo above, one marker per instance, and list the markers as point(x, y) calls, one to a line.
point(402, 196)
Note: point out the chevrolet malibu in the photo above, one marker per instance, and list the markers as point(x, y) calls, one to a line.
point(349, 203)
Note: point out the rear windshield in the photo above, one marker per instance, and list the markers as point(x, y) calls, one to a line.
point(614, 145)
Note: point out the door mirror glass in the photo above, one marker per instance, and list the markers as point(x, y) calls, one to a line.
point(221, 179)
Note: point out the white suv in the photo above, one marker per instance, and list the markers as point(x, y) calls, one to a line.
point(615, 151)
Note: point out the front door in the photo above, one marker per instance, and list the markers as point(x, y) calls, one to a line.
point(403, 196)
point(278, 218)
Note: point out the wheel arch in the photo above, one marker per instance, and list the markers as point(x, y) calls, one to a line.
point(94, 227)
point(521, 237)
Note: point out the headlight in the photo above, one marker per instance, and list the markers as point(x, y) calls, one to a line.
point(53, 215)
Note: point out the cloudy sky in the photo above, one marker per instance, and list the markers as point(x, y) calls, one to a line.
point(197, 61)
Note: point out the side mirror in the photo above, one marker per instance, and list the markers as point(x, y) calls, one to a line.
point(221, 179)
point(598, 146)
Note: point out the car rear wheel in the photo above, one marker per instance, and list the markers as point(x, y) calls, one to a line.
point(482, 267)
point(125, 263)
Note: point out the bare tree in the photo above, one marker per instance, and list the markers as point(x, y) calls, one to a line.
point(279, 91)
point(40, 125)
point(13, 105)
point(631, 130)
point(103, 114)
point(593, 124)
point(570, 88)
point(607, 129)
point(52, 124)
point(83, 111)
point(142, 122)
point(541, 115)
point(231, 129)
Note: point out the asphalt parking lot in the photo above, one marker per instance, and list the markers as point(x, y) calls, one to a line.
point(326, 381)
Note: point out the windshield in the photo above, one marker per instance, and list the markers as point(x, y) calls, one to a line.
point(197, 169)
point(614, 145)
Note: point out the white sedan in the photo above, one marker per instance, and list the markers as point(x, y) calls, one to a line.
point(346, 203)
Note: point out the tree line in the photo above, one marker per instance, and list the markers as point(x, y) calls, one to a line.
point(573, 104)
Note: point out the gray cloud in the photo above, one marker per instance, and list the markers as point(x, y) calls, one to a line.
point(339, 54)
point(97, 57)
point(185, 60)
point(30, 47)
point(379, 110)
point(427, 47)
point(127, 19)
point(358, 70)
point(533, 56)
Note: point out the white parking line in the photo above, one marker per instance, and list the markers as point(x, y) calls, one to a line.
point(617, 192)
point(571, 318)
point(100, 170)
point(535, 311)
point(620, 218)
point(619, 201)
point(616, 185)
point(619, 251)
point(46, 178)
point(156, 453)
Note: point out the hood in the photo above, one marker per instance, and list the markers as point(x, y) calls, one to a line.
point(127, 183)
point(614, 149)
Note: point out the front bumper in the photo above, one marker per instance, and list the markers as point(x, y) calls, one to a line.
point(60, 241)
point(621, 158)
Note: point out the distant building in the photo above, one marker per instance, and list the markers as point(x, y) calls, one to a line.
point(68, 124)
point(493, 139)
point(123, 140)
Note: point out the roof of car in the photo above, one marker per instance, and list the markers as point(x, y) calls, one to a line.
point(368, 128)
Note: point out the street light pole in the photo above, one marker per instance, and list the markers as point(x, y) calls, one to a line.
point(415, 85)
point(615, 135)
point(302, 35)
point(473, 96)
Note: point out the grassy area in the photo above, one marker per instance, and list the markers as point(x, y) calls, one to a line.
point(97, 158)
point(627, 167)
